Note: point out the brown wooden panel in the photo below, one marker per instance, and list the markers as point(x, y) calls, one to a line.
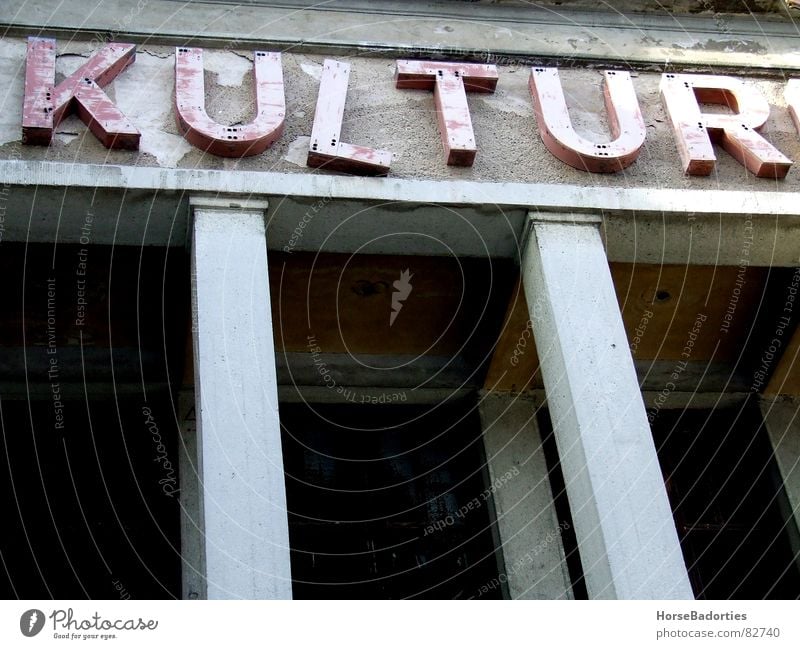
point(669, 312)
point(515, 365)
point(346, 301)
point(678, 297)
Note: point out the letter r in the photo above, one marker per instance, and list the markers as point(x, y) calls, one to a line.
point(736, 133)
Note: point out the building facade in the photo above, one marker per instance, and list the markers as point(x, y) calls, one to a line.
point(441, 300)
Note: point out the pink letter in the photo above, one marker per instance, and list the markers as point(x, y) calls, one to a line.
point(449, 81)
point(695, 130)
point(46, 104)
point(326, 150)
point(560, 138)
point(213, 137)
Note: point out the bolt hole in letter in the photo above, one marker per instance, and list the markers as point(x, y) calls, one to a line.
point(45, 105)
point(218, 139)
point(559, 136)
point(737, 134)
point(449, 82)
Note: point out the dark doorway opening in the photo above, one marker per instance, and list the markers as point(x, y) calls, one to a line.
point(378, 500)
point(727, 499)
point(91, 341)
point(87, 511)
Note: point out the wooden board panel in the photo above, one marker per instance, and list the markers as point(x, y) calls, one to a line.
point(679, 297)
point(691, 313)
point(515, 365)
point(451, 306)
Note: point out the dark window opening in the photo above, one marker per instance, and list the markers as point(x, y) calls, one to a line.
point(729, 503)
point(91, 339)
point(378, 501)
point(86, 510)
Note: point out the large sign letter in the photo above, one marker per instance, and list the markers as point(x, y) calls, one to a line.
point(450, 81)
point(45, 104)
point(326, 148)
point(229, 141)
point(559, 136)
point(737, 133)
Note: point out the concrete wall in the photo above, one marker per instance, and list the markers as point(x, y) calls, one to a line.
point(378, 115)
point(782, 420)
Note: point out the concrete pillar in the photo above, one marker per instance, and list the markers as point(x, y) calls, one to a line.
point(192, 556)
point(626, 534)
point(782, 420)
point(529, 529)
point(245, 541)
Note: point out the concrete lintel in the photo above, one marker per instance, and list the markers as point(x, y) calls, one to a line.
point(149, 206)
point(684, 203)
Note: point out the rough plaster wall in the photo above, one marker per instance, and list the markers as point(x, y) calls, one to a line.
point(378, 115)
point(673, 6)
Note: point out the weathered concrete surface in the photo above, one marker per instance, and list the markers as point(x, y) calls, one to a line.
point(642, 31)
point(380, 116)
point(626, 534)
point(243, 515)
point(782, 420)
point(530, 531)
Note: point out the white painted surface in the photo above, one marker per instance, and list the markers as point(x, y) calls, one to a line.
point(240, 462)
point(626, 534)
point(533, 553)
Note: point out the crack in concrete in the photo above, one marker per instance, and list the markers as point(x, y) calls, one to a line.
point(158, 56)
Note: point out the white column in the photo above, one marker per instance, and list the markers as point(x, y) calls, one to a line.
point(627, 538)
point(239, 459)
point(529, 529)
point(192, 555)
point(782, 420)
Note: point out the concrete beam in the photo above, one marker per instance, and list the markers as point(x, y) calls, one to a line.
point(530, 532)
point(243, 514)
point(627, 538)
point(148, 206)
point(523, 35)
